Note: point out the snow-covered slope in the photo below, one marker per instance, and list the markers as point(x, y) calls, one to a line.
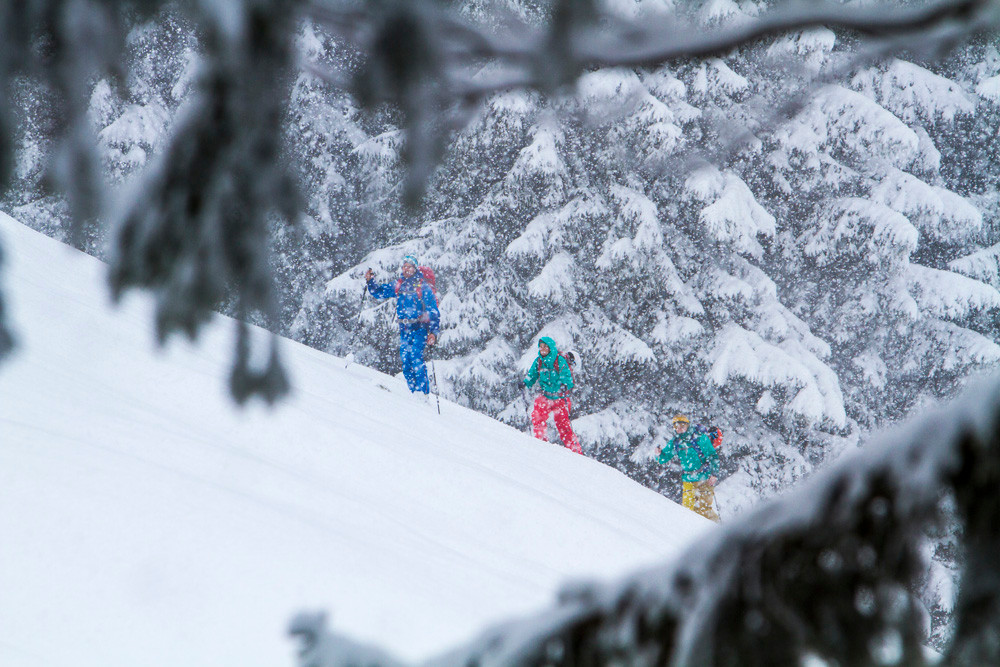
point(146, 521)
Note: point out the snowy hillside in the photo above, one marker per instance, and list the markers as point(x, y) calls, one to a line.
point(146, 521)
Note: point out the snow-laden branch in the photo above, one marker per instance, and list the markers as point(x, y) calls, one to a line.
point(656, 43)
point(825, 571)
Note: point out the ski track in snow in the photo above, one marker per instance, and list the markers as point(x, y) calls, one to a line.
point(145, 520)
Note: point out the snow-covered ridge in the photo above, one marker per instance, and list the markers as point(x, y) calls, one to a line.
point(147, 521)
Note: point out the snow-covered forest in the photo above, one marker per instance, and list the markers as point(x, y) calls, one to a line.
point(797, 242)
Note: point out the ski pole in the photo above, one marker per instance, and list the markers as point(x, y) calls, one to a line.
point(437, 392)
point(354, 334)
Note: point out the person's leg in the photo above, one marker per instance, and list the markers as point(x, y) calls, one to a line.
point(539, 416)
point(687, 495)
point(565, 428)
point(406, 356)
point(411, 355)
point(703, 499)
point(421, 379)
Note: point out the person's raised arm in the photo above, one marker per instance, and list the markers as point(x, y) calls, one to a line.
point(379, 291)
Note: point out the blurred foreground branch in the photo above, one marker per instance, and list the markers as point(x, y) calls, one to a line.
point(195, 231)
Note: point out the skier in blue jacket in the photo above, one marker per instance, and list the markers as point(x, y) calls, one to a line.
point(418, 317)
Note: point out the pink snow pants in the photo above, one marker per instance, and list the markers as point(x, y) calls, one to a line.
point(540, 415)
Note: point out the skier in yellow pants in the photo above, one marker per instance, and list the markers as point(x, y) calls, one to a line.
point(699, 463)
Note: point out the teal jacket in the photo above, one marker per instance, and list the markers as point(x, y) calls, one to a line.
point(550, 379)
point(697, 456)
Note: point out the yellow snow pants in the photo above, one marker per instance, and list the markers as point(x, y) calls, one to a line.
point(700, 497)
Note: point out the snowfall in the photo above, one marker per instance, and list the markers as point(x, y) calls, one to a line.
point(146, 520)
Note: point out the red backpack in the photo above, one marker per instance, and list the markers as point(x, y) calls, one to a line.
point(714, 434)
point(555, 364)
point(427, 276)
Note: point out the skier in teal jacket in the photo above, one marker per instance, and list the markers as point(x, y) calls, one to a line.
point(555, 378)
point(699, 463)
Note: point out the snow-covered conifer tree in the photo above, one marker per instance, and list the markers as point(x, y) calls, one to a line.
point(348, 164)
point(130, 116)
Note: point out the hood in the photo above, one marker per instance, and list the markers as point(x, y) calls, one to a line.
point(553, 350)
